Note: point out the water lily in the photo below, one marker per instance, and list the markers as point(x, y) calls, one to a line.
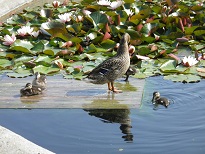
point(86, 12)
point(116, 4)
point(8, 40)
point(189, 61)
point(104, 2)
point(65, 17)
point(25, 30)
point(79, 18)
point(56, 4)
point(35, 33)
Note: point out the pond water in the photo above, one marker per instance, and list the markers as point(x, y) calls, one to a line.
point(180, 128)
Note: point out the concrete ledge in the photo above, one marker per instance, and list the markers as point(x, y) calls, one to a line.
point(68, 93)
point(15, 6)
point(11, 143)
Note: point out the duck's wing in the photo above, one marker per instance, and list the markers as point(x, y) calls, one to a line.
point(107, 66)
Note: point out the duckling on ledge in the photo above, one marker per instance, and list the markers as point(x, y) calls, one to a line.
point(160, 100)
point(39, 81)
point(114, 67)
point(131, 71)
point(29, 90)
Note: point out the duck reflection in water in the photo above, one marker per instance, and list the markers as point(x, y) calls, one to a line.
point(120, 116)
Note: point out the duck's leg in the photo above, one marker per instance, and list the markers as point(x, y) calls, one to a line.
point(114, 89)
point(109, 86)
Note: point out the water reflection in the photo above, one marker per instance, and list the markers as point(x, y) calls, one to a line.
point(31, 99)
point(118, 113)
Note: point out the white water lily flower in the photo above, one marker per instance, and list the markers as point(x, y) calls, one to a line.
point(86, 12)
point(24, 30)
point(129, 12)
point(8, 40)
point(56, 4)
point(35, 33)
point(116, 4)
point(104, 2)
point(65, 17)
point(189, 61)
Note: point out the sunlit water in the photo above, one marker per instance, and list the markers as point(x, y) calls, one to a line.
point(178, 129)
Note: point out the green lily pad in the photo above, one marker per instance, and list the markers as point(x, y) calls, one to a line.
point(169, 66)
point(97, 18)
point(22, 46)
point(45, 70)
point(4, 63)
point(183, 78)
point(18, 75)
point(56, 29)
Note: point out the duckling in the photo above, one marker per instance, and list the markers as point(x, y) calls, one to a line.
point(131, 71)
point(111, 69)
point(39, 81)
point(160, 100)
point(27, 90)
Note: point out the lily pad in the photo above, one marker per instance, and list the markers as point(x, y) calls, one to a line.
point(4, 63)
point(22, 46)
point(45, 70)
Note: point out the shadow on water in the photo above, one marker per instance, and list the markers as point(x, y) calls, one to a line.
point(120, 116)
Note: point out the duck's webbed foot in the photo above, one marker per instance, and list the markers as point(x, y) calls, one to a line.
point(112, 88)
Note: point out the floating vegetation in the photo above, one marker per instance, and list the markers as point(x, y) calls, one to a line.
point(166, 38)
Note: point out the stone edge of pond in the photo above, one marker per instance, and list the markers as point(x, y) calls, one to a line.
point(13, 143)
point(9, 8)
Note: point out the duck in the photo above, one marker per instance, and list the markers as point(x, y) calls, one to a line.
point(39, 81)
point(160, 100)
point(29, 90)
point(131, 71)
point(115, 67)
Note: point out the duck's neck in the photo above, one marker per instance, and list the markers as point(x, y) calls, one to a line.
point(122, 49)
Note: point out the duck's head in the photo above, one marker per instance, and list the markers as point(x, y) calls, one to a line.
point(125, 38)
point(156, 94)
point(28, 85)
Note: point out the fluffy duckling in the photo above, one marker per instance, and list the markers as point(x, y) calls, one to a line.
point(111, 69)
point(131, 71)
point(29, 90)
point(160, 100)
point(39, 81)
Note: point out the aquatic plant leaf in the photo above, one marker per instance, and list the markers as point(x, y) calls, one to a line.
point(15, 19)
point(38, 47)
point(22, 46)
point(23, 59)
point(18, 75)
point(67, 76)
point(45, 70)
point(183, 78)
point(56, 29)
point(97, 18)
point(107, 44)
point(44, 60)
point(5, 63)
point(169, 66)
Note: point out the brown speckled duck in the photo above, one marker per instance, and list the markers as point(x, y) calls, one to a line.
point(29, 90)
point(39, 81)
point(111, 69)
